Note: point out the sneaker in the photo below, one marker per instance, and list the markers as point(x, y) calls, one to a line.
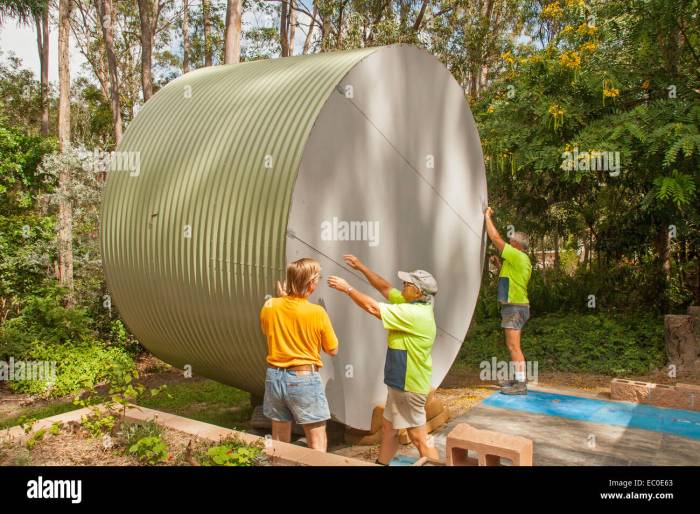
point(517, 388)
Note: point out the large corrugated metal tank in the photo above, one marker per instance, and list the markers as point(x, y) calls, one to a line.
point(242, 168)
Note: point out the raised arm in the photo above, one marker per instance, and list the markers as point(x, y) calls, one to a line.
point(365, 302)
point(379, 283)
point(492, 232)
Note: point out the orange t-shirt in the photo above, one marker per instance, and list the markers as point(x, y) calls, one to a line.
point(296, 330)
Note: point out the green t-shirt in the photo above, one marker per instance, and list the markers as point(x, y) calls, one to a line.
point(514, 276)
point(412, 330)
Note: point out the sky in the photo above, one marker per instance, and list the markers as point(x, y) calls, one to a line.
point(21, 39)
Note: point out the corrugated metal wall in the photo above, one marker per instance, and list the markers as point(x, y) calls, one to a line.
point(219, 151)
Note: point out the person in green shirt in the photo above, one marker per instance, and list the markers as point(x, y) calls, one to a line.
point(512, 295)
point(408, 367)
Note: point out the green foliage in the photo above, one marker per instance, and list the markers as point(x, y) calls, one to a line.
point(595, 343)
point(121, 337)
point(98, 424)
point(232, 452)
point(151, 450)
point(55, 428)
point(79, 365)
point(45, 321)
point(130, 433)
point(35, 438)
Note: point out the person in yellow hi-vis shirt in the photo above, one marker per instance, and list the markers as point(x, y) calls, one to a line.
point(297, 330)
point(410, 322)
point(512, 295)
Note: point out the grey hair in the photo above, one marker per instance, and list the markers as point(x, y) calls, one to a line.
point(522, 238)
point(427, 298)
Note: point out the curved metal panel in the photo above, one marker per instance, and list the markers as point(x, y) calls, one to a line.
point(194, 239)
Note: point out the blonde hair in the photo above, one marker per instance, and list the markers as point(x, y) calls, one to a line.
point(300, 274)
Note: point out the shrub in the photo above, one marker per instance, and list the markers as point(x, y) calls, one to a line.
point(79, 365)
point(131, 433)
point(151, 450)
point(232, 452)
point(596, 343)
point(43, 320)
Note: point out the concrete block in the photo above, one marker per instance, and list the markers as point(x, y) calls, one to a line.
point(489, 445)
point(668, 396)
point(630, 390)
point(692, 393)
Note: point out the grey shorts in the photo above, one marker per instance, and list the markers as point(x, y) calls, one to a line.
point(405, 409)
point(514, 316)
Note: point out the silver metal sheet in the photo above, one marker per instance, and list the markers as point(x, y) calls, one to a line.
point(368, 159)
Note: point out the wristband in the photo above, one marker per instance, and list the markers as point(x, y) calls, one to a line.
point(349, 289)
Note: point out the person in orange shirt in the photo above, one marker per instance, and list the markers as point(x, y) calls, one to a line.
point(296, 331)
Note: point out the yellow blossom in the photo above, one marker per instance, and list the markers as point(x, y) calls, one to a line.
point(508, 57)
point(610, 92)
point(645, 84)
point(552, 11)
point(570, 59)
point(490, 108)
point(588, 47)
point(557, 112)
point(586, 29)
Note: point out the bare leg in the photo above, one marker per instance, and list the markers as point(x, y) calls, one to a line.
point(316, 435)
point(282, 431)
point(516, 354)
point(390, 442)
point(419, 438)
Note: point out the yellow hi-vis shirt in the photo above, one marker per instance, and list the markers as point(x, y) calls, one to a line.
point(296, 330)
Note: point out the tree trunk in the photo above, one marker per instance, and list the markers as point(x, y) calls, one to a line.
point(544, 256)
point(681, 346)
point(42, 39)
point(697, 278)
point(206, 11)
point(309, 35)
point(185, 37)
point(106, 15)
point(421, 15)
point(284, 37)
point(232, 32)
point(664, 253)
point(339, 39)
point(145, 18)
point(325, 33)
point(65, 212)
point(291, 23)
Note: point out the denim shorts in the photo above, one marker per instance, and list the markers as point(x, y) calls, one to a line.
point(514, 316)
point(292, 396)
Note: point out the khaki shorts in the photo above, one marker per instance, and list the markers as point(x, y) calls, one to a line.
point(405, 409)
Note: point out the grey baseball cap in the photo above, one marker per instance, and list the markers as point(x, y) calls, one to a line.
point(421, 279)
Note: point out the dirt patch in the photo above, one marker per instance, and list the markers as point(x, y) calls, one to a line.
point(74, 446)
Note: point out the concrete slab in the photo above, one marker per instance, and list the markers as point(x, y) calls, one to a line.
point(561, 441)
